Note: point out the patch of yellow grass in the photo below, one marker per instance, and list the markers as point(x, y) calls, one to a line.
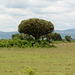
point(45, 61)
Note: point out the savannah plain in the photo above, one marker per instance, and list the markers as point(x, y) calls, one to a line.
point(45, 61)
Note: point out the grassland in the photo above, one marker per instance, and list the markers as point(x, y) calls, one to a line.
point(45, 61)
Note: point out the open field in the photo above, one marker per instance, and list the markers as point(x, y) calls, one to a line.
point(45, 61)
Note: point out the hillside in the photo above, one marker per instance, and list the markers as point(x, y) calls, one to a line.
point(7, 35)
point(70, 32)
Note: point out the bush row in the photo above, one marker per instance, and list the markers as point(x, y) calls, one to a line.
point(24, 43)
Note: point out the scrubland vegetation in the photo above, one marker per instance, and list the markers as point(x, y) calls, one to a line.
point(34, 32)
point(25, 43)
point(37, 51)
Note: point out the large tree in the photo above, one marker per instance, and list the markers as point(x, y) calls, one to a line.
point(35, 27)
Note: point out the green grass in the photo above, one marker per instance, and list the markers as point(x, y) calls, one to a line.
point(45, 61)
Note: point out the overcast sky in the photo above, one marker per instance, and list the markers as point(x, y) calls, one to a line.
point(60, 12)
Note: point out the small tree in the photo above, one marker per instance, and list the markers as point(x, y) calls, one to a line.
point(35, 27)
point(68, 38)
point(56, 37)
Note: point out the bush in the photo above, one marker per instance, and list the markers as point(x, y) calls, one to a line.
point(68, 38)
point(56, 37)
point(43, 44)
point(30, 71)
point(24, 43)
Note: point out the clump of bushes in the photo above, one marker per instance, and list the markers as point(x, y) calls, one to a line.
point(24, 43)
point(68, 38)
point(22, 37)
point(43, 44)
point(53, 37)
point(56, 37)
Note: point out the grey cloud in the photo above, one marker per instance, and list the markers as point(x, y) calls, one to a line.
point(15, 3)
point(60, 12)
point(26, 3)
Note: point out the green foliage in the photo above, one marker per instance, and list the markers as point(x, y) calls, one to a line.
point(43, 44)
point(68, 38)
point(22, 36)
point(24, 43)
point(49, 37)
point(35, 27)
point(29, 71)
point(56, 37)
point(17, 36)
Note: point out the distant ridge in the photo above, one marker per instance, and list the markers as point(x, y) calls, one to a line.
point(6, 35)
point(71, 32)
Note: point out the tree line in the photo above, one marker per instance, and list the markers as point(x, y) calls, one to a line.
point(40, 28)
point(34, 32)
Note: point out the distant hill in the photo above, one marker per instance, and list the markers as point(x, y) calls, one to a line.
point(71, 32)
point(6, 35)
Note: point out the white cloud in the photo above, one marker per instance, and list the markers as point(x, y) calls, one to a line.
point(54, 9)
point(60, 12)
point(6, 22)
point(17, 11)
point(15, 3)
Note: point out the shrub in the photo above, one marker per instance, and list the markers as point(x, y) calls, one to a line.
point(68, 38)
point(56, 37)
point(30, 71)
point(24, 43)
